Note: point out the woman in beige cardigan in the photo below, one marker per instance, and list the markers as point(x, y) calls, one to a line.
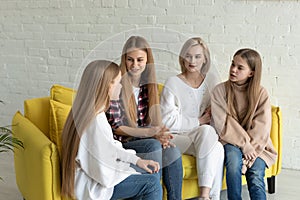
point(242, 115)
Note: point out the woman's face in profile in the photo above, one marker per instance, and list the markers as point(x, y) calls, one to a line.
point(115, 88)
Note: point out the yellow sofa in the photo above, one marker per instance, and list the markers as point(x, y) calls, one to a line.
point(37, 166)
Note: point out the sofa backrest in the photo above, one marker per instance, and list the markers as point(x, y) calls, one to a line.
point(37, 111)
point(49, 113)
point(62, 94)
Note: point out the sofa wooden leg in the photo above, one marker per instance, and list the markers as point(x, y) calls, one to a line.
point(271, 184)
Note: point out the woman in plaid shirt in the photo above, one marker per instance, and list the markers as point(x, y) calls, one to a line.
point(136, 119)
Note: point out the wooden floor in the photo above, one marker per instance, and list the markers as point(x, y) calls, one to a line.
point(286, 183)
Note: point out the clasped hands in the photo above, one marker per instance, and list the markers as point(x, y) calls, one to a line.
point(162, 134)
point(248, 160)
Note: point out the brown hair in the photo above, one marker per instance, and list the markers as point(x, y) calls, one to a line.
point(253, 60)
point(92, 97)
point(187, 45)
point(148, 78)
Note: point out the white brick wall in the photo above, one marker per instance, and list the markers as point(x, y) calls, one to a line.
point(43, 42)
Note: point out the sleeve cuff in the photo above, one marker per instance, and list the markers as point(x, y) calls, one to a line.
point(247, 148)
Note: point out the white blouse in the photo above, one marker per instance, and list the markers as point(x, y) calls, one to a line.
point(136, 92)
point(182, 105)
point(102, 162)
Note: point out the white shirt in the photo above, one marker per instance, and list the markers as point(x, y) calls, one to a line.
point(182, 105)
point(102, 162)
point(136, 92)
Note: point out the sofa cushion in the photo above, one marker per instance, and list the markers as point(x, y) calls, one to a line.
point(37, 111)
point(57, 118)
point(62, 94)
point(189, 167)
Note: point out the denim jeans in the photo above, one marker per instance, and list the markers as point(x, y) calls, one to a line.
point(254, 175)
point(169, 160)
point(140, 186)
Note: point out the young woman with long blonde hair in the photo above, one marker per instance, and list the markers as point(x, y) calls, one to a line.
point(242, 114)
point(136, 118)
point(94, 165)
point(185, 105)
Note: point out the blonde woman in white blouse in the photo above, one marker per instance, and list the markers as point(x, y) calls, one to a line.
point(94, 165)
point(185, 106)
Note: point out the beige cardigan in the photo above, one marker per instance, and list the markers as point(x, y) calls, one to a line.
point(230, 131)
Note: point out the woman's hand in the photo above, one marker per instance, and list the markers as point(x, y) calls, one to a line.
point(164, 137)
point(206, 117)
point(250, 155)
point(149, 166)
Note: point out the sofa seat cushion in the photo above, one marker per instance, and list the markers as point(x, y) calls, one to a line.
point(189, 167)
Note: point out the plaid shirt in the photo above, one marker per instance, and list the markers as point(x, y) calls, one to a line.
point(116, 117)
point(142, 107)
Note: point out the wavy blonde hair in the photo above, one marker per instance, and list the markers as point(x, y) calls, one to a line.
point(253, 60)
point(91, 98)
point(148, 78)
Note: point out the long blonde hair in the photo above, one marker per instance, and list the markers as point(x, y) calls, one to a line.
point(253, 59)
point(91, 98)
point(148, 78)
point(186, 46)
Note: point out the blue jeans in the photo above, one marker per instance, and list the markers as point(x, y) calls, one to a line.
point(254, 175)
point(140, 186)
point(169, 160)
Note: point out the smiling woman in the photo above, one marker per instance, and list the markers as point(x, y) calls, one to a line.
point(136, 119)
point(136, 61)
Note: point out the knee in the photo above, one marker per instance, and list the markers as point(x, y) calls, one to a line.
point(208, 128)
point(172, 156)
point(233, 159)
point(176, 155)
point(220, 148)
point(153, 145)
point(233, 153)
point(173, 152)
point(257, 170)
point(220, 151)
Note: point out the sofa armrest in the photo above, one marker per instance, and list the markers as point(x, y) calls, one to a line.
point(276, 137)
point(37, 166)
